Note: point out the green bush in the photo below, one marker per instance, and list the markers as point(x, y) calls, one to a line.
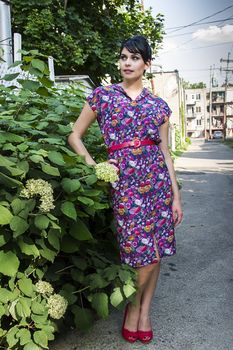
point(56, 222)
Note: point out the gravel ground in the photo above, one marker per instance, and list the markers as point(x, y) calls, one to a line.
point(193, 305)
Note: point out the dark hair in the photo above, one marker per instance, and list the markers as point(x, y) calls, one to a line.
point(138, 44)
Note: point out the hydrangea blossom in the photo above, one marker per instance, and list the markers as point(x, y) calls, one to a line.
point(43, 287)
point(57, 306)
point(43, 189)
point(105, 171)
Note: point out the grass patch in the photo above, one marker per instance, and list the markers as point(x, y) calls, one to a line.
point(228, 142)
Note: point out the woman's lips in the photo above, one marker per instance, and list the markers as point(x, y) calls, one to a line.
point(128, 71)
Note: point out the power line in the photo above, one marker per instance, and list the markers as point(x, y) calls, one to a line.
point(175, 29)
point(199, 47)
point(221, 20)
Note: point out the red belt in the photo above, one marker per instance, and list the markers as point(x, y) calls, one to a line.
point(135, 143)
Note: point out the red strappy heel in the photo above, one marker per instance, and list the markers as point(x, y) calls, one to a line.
point(145, 336)
point(130, 336)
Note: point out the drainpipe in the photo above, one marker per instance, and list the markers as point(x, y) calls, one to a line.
point(5, 31)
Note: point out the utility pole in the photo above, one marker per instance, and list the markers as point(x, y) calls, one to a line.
point(210, 105)
point(227, 70)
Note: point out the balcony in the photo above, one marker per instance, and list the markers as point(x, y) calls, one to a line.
point(190, 115)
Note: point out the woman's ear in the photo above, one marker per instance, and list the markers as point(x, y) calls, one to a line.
point(148, 64)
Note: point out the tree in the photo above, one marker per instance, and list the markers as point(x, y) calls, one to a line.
point(188, 85)
point(84, 35)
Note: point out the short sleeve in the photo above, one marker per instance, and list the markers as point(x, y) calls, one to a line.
point(94, 100)
point(165, 112)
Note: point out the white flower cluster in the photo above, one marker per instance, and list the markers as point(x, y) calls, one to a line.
point(105, 171)
point(43, 189)
point(57, 306)
point(43, 287)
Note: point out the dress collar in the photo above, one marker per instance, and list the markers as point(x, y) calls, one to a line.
point(142, 94)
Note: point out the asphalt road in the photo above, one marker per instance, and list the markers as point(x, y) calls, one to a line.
point(193, 305)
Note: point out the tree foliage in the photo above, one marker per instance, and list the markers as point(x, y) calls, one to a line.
point(71, 243)
point(83, 35)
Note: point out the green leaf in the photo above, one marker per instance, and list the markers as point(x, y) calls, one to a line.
point(85, 200)
point(80, 263)
point(70, 185)
point(128, 290)
point(5, 216)
point(24, 335)
point(69, 210)
point(43, 319)
point(9, 182)
point(49, 330)
point(11, 336)
point(2, 310)
point(90, 179)
point(45, 251)
point(40, 338)
point(56, 158)
point(100, 304)
point(96, 281)
point(53, 239)
point(10, 77)
point(38, 64)
point(17, 205)
point(116, 297)
point(41, 222)
point(18, 225)
point(48, 169)
point(29, 84)
point(26, 286)
point(124, 275)
point(80, 231)
point(69, 245)
point(28, 247)
point(36, 158)
point(110, 273)
point(9, 263)
point(5, 236)
point(5, 295)
point(23, 307)
point(83, 317)
point(37, 308)
point(31, 346)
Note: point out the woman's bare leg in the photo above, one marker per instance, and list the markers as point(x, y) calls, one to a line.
point(146, 299)
point(146, 275)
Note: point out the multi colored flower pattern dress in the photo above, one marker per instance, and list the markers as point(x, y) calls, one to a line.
point(142, 198)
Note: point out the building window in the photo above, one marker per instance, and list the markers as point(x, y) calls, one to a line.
point(186, 96)
point(198, 109)
point(193, 97)
point(198, 96)
point(198, 121)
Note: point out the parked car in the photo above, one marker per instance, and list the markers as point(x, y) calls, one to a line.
point(217, 134)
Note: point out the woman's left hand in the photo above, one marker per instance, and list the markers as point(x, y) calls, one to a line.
point(177, 212)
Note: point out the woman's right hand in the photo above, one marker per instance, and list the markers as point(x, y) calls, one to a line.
point(114, 163)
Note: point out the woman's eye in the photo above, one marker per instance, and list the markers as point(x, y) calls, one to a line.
point(135, 58)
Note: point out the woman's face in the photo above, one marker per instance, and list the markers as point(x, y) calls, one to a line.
point(132, 65)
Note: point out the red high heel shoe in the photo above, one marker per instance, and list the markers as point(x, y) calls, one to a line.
point(145, 336)
point(130, 336)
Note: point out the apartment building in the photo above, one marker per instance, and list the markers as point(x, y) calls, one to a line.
point(195, 102)
point(202, 120)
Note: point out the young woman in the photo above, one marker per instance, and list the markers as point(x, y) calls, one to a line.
point(146, 199)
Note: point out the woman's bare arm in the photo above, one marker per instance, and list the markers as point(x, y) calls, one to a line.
point(86, 117)
point(177, 211)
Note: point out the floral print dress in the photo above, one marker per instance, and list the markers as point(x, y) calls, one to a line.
point(142, 197)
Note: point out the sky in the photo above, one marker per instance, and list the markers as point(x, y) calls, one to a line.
point(192, 50)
